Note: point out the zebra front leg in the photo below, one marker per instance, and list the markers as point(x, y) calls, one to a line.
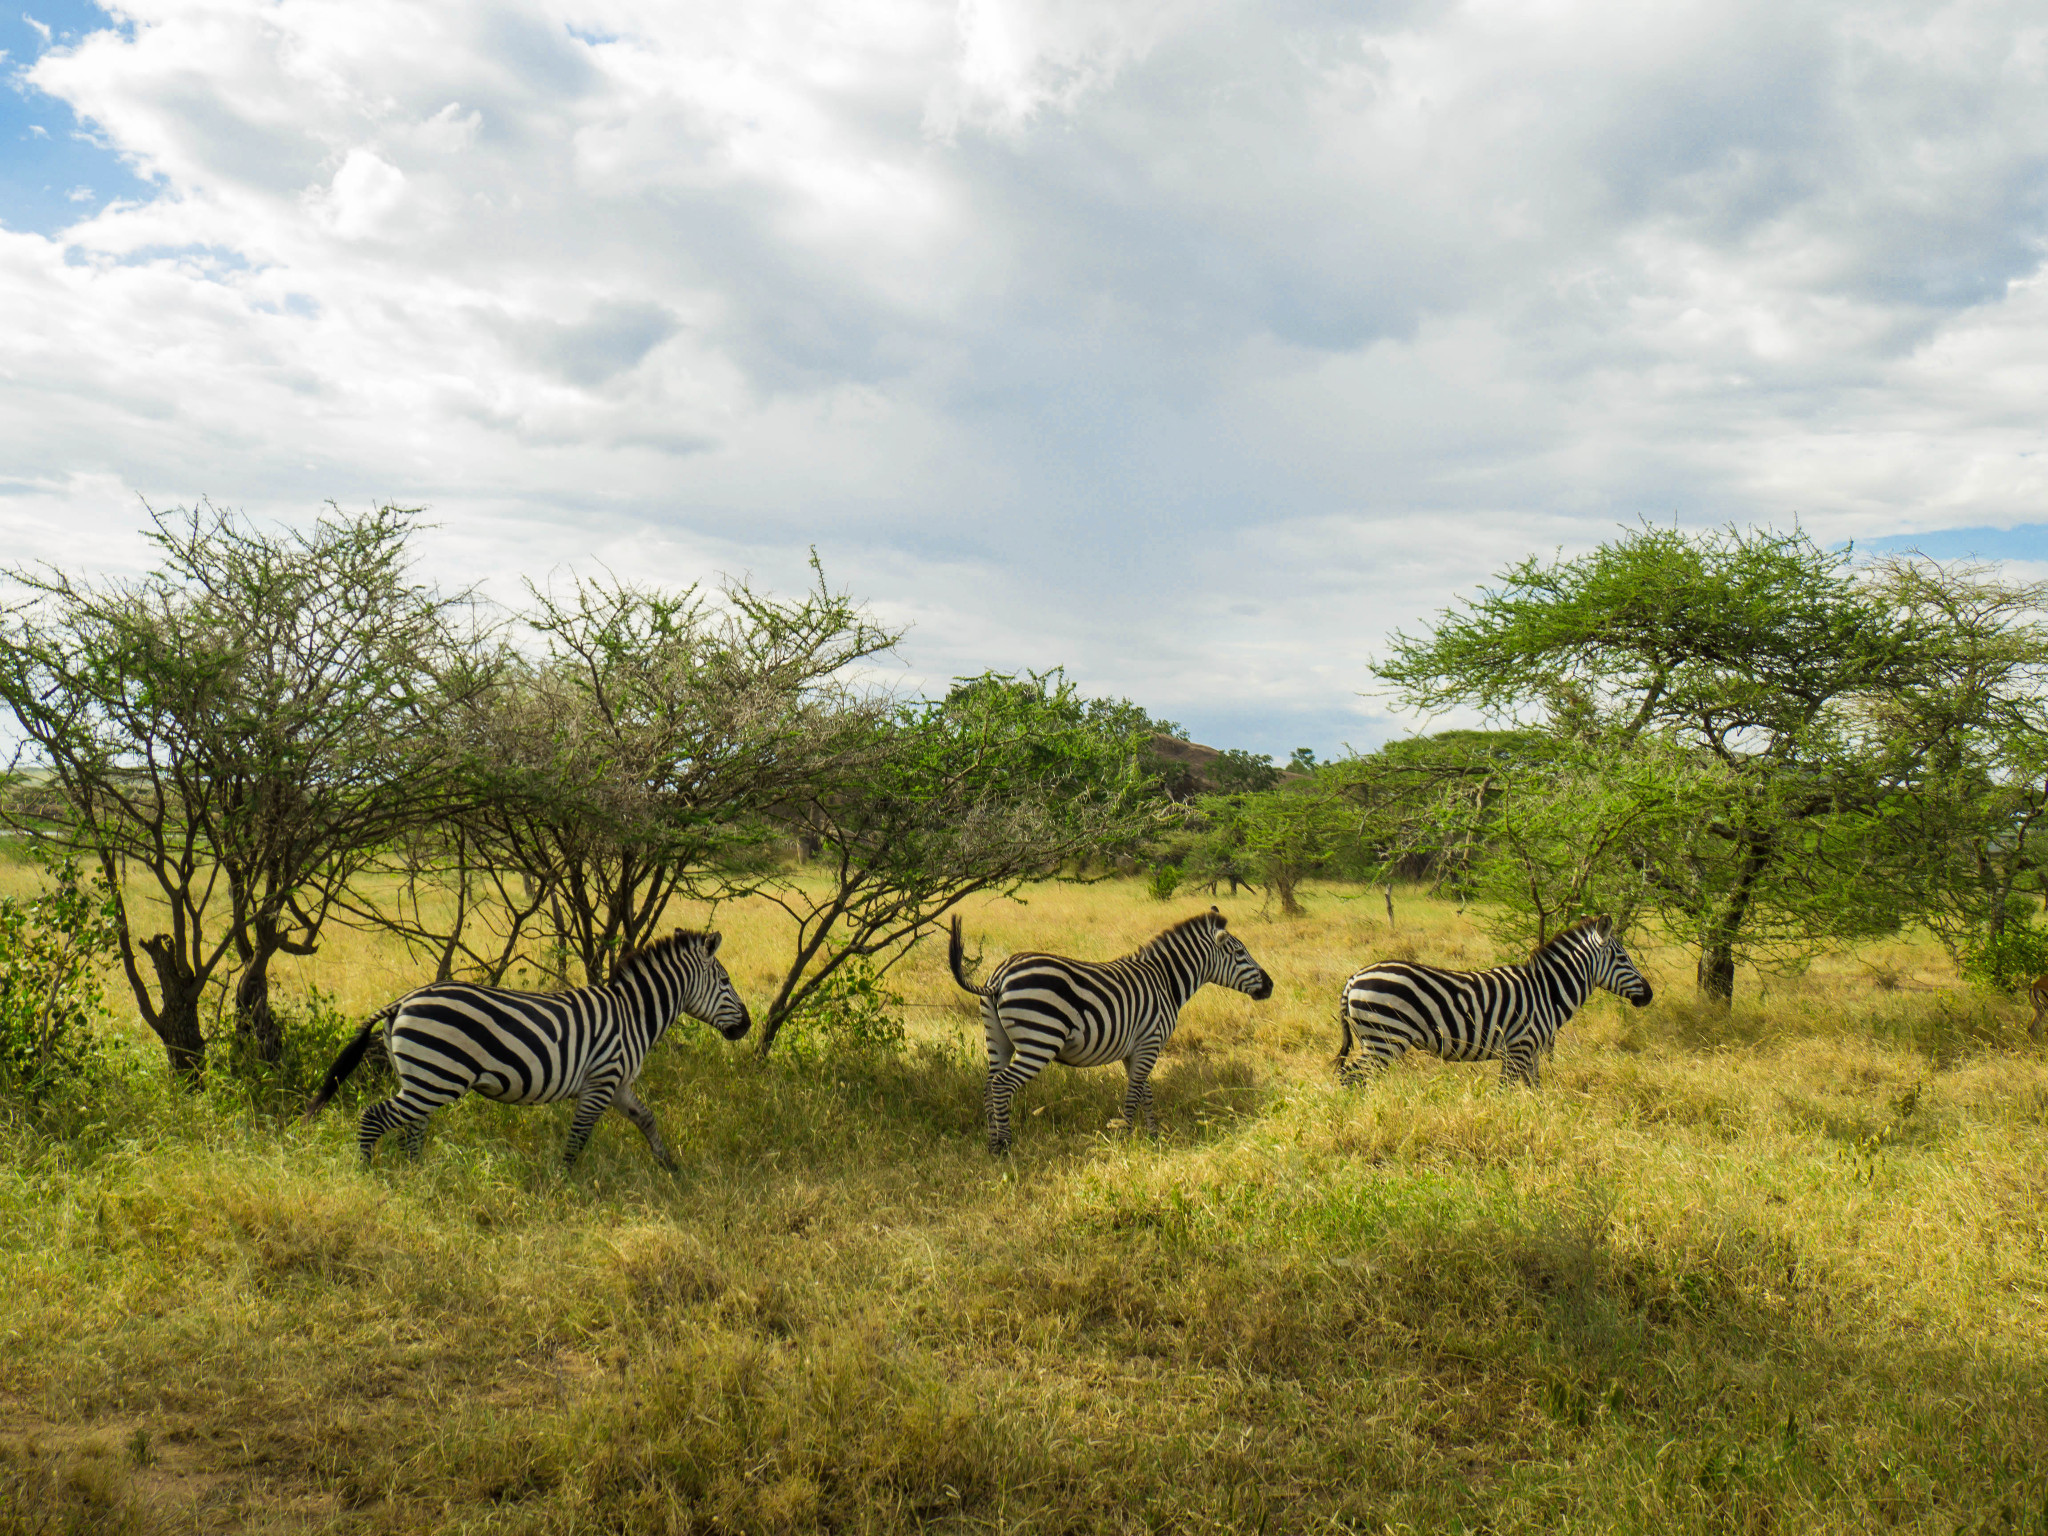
point(628, 1104)
point(1138, 1092)
point(1519, 1064)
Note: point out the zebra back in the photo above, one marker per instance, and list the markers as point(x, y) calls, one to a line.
point(1172, 966)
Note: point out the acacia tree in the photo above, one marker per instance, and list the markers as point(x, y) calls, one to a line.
point(1426, 805)
point(1965, 826)
point(241, 728)
point(1552, 838)
point(631, 763)
point(1285, 833)
point(918, 806)
point(1753, 657)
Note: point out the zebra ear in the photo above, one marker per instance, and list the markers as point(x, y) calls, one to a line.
point(1604, 926)
point(1221, 920)
point(711, 942)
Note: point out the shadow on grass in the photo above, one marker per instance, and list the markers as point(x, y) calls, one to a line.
point(1405, 1358)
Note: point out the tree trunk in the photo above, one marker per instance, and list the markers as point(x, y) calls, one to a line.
point(176, 1020)
point(1717, 973)
point(1285, 884)
point(254, 1022)
point(1717, 947)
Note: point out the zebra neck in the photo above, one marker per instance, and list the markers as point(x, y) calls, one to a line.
point(1566, 978)
point(1181, 976)
point(656, 999)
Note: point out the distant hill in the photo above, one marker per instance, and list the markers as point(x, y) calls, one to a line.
point(1191, 758)
point(1187, 767)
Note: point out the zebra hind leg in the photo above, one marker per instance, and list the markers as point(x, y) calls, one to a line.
point(1000, 1095)
point(590, 1107)
point(1347, 1071)
point(392, 1114)
point(1376, 1052)
point(1025, 1062)
point(997, 1096)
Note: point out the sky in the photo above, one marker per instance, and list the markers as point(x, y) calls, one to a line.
point(1192, 347)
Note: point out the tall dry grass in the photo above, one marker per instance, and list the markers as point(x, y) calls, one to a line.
point(1777, 1269)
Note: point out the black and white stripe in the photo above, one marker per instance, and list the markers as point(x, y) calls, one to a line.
point(588, 1043)
point(1511, 1012)
point(1037, 1008)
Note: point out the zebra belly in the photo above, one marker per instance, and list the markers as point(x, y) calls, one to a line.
point(450, 1050)
point(1092, 1051)
point(1419, 1016)
point(1053, 1016)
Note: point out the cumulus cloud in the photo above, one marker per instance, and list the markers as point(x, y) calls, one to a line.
point(1192, 345)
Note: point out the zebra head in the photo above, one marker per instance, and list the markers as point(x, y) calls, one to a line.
point(708, 993)
point(1611, 966)
point(1229, 964)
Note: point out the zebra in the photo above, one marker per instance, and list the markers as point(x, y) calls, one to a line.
point(587, 1043)
point(1510, 1012)
point(1037, 1007)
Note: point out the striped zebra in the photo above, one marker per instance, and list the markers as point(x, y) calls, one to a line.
point(1035, 1008)
point(586, 1044)
point(1510, 1012)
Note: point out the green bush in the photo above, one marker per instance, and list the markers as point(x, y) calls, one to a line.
point(2009, 959)
point(1165, 881)
point(51, 949)
point(852, 1012)
point(314, 1031)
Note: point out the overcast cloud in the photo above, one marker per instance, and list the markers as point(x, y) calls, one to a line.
point(1191, 346)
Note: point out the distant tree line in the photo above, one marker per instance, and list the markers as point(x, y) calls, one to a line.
point(1759, 744)
point(274, 732)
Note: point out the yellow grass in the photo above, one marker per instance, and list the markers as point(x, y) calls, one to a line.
point(1782, 1270)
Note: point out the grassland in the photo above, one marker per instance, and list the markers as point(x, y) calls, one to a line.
point(1782, 1269)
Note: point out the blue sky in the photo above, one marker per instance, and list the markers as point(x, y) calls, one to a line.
point(2026, 543)
point(1191, 346)
point(54, 169)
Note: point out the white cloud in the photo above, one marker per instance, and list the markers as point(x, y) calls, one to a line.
point(365, 198)
point(1192, 345)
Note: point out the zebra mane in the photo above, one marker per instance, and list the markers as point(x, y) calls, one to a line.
point(1212, 919)
point(636, 960)
point(1558, 941)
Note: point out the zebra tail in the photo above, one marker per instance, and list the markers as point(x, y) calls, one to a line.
point(956, 955)
point(350, 1058)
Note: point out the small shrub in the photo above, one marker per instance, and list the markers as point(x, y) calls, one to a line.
point(313, 1031)
point(1164, 882)
point(2008, 959)
point(51, 947)
point(853, 1011)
